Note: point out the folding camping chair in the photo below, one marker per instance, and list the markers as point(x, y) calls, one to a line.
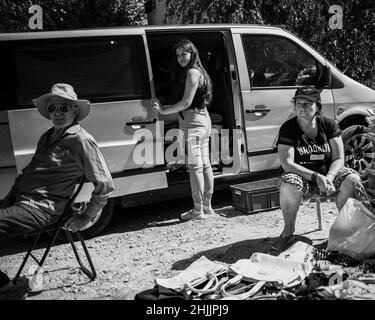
point(54, 231)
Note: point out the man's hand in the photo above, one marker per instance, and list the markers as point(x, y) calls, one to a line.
point(77, 221)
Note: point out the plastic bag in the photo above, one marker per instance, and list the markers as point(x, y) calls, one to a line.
point(353, 232)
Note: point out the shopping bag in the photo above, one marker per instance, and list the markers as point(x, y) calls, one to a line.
point(353, 232)
point(264, 267)
point(301, 252)
point(198, 272)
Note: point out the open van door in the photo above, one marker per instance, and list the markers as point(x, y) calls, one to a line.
point(271, 68)
point(218, 58)
point(107, 67)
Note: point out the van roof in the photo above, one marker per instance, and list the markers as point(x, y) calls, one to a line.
point(129, 29)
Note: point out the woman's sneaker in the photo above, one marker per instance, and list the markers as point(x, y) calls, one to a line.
point(5, 283)
point(192, 214)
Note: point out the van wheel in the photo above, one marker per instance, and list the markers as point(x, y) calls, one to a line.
point(101, 221)
point(93, 228)
point(359, 150)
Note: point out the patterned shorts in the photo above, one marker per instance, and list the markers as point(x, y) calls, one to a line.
point(309, 188)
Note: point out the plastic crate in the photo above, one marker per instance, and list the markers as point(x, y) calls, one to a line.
point(257, 196)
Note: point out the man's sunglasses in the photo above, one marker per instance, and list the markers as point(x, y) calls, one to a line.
point(64, 108)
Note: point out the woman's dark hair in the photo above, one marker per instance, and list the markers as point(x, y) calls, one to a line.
point(319, 112)
point(179, 73)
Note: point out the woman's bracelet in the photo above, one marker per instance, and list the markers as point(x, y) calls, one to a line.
point(313, 177)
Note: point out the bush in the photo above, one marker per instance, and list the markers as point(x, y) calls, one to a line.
point(350, 49)
point(72, 14)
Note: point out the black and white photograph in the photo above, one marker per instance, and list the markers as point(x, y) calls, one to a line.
point(185, 154)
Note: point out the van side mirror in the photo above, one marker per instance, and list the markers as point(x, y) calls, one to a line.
point(323, 78)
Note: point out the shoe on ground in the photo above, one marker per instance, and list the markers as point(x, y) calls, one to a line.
point(282, 243)
point(208, 210)
point(192, 215)
point(5, 283)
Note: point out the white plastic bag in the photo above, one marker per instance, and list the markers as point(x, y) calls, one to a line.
point(353, 232)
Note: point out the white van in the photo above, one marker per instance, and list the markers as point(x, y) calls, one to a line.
point(255, 71)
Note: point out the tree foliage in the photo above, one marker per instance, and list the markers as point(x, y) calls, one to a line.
point(351, 49)
point(72, 14)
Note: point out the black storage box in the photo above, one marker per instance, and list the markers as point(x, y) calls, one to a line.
point(257, 196)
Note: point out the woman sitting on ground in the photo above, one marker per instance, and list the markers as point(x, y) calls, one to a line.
point(311, 153)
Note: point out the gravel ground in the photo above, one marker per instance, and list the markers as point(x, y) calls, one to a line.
point(149, 241)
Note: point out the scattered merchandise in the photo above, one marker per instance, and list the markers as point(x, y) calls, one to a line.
point(302, 272)
point(348, 289)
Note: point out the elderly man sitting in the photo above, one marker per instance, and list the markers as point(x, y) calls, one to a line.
point(64, 153)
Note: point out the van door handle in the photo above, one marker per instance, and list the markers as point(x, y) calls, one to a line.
point(141, 122)
point(259, 109)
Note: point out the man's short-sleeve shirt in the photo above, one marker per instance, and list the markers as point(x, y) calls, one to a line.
point(314, 154)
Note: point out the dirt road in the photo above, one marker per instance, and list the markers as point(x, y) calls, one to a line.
point(150, 241)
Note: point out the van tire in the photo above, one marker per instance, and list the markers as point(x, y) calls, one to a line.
point(359, 151)
point(101, 223)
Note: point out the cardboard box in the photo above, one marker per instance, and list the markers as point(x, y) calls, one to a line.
point(257, 196)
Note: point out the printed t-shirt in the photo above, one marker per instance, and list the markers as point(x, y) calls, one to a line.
point(314, 154)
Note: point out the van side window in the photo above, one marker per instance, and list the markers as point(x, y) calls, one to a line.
point(102, 69)
point(276, 62)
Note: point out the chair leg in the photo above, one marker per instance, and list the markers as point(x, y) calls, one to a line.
point(31, 248)
point(319, 213)
point(90, 273)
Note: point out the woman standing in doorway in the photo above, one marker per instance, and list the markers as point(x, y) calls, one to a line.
point(193, 95)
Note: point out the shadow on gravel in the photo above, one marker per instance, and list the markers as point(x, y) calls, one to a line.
point(240, 250)
point(136, 218)
point(20, 289)
point(164, 213)
point(20, 244)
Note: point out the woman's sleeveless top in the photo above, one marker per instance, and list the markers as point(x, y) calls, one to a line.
point(202, 97)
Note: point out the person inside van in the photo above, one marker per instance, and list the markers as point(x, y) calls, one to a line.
point(311, 153)
point(64, 153)
point(192, 98)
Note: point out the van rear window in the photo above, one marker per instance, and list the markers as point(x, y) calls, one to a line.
point(100, 69)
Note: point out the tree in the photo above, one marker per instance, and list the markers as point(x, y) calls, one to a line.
point(350, 49)
point(72, 14)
